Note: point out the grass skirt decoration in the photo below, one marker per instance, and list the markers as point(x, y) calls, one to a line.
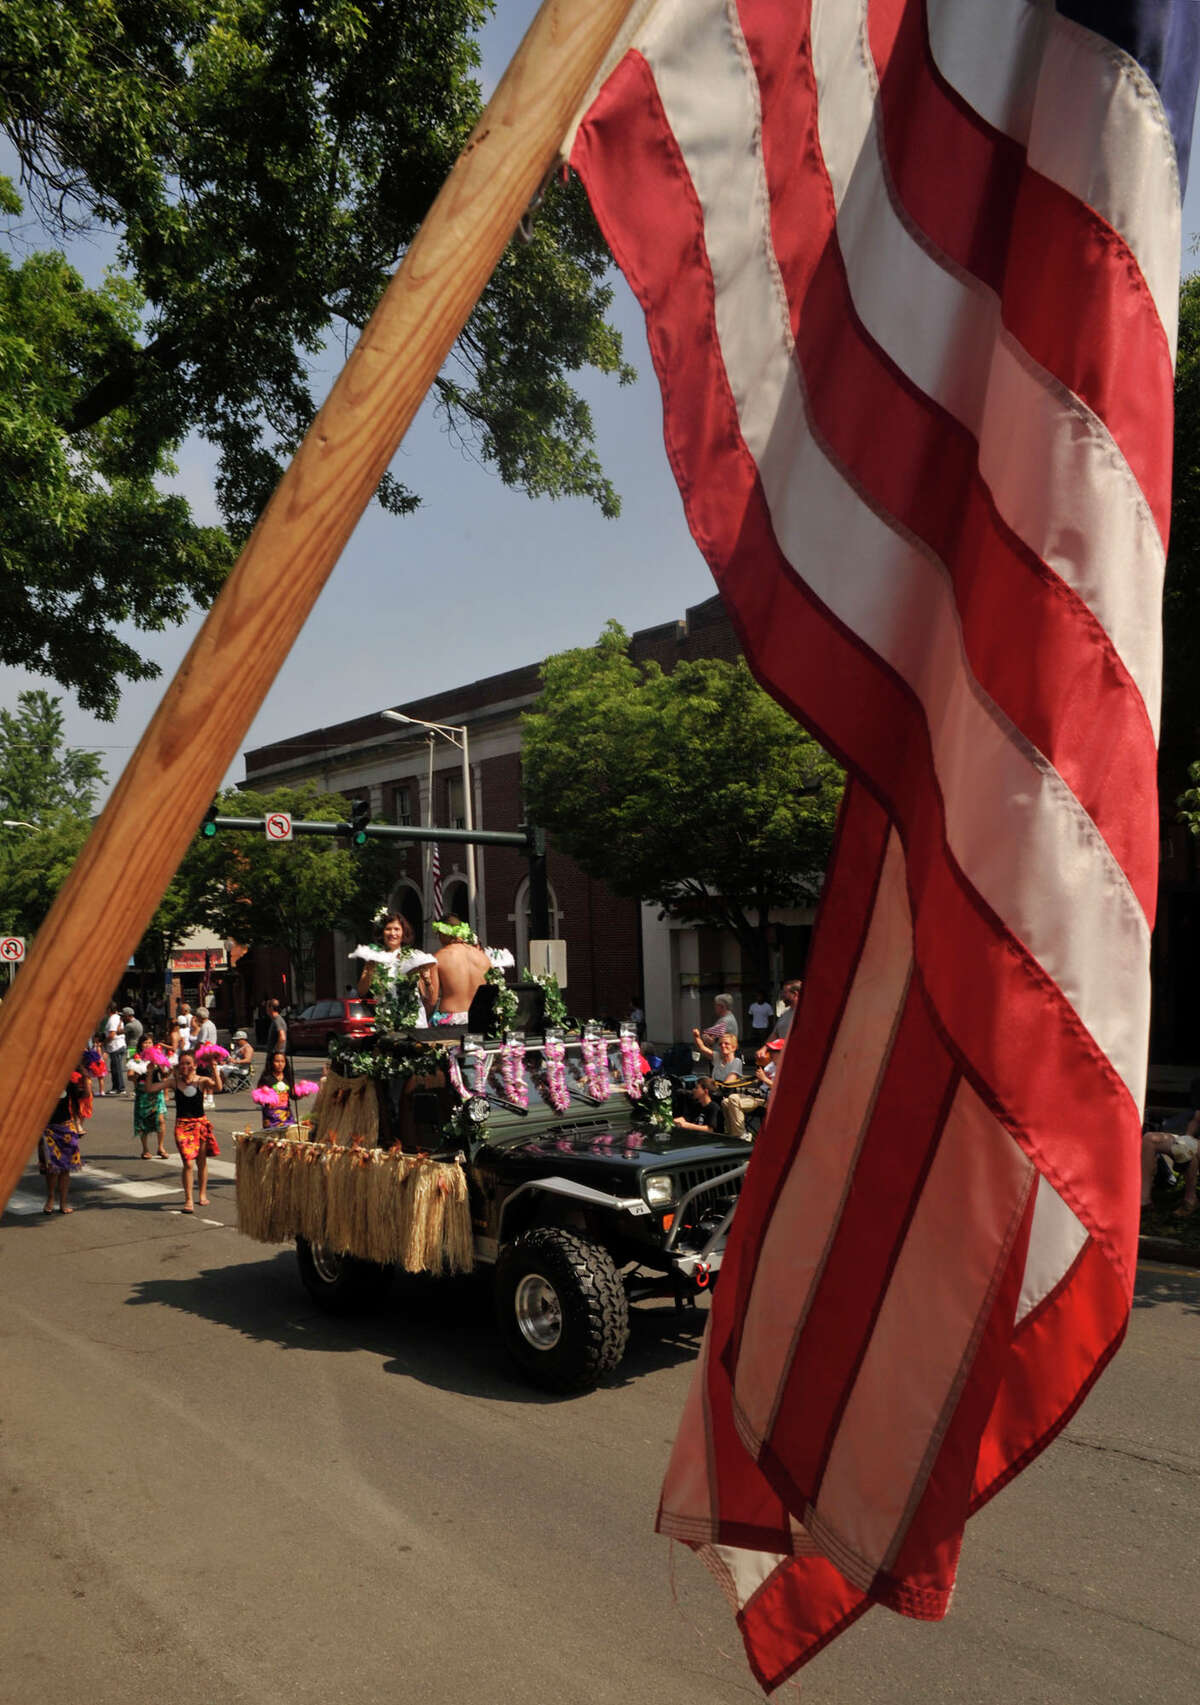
point(346, 1111)
point(379, 1204)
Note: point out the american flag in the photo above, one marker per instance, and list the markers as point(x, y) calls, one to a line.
point(435, 880)
point(910, 273)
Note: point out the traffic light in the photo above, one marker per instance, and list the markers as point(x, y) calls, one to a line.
point(360, 816)
point(209, 826)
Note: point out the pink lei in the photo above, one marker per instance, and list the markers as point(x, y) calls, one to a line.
point(554, 1075)
point(512, 1073)
point(631, 1066)
point(595, 1067)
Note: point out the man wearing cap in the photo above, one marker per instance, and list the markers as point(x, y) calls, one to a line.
point(241, 1058)
point(133, 1030)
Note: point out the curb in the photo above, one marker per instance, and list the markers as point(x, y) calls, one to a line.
point(1167, 1249)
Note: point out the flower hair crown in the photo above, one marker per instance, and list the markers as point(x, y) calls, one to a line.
point(457, 932)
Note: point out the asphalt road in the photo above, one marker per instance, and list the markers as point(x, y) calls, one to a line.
point(213, 1494)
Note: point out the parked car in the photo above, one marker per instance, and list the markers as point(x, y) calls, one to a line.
point(315, 1028)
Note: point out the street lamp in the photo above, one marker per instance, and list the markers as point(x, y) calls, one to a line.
point(457, 736)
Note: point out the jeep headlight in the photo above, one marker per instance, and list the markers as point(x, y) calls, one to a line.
point(660, 1189)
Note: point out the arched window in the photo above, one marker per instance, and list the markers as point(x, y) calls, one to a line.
point(454, 896)
point(520, 917)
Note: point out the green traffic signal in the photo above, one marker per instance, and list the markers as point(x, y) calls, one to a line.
point(360, 816)
point(209, 826)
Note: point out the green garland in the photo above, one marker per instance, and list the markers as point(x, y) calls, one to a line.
point(506, 1000)
point(397, 999)
point(387, 1054)
point(556, 1016)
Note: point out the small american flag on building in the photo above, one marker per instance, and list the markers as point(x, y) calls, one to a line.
point(910, 273)
point(435, 880)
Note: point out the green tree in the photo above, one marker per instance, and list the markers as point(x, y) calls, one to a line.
point(263, 167)
point(47, 793)
point(285, 895)
point(39, 776)
point(693, 789)
point(34, 866)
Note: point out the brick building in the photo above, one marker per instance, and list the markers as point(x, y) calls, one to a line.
point(616, 949)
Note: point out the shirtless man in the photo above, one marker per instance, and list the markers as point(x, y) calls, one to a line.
point(462, 967)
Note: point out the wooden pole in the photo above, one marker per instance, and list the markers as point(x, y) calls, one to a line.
point(104, 907)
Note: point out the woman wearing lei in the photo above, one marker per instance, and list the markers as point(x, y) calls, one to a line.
point(402, 979)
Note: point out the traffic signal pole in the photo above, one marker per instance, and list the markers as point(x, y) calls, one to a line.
point(527, 839)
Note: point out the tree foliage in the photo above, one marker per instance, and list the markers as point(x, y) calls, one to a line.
point(39, 776)
point(264, 167)
point(693, 789)
point(47, 793)
point(286, 894)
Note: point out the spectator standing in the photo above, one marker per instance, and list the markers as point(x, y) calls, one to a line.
point(133, 1031)
point(207, 1032)
point(762, 1015)
point(114, 1042)
point(276, 1029)
point(789, 994)
point(184, 1020)
point(724, 1021)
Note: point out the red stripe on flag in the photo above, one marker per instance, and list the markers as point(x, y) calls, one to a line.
point(1033, 645)
point(888, 1177)
point(971, 191)
point(845, 915)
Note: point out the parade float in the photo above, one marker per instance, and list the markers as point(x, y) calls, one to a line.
point(541, 1152)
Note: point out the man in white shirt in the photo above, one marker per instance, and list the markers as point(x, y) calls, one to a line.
point(207, 1031)
point(114, 1042)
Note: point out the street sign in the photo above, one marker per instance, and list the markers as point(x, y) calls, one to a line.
point(278, 826)
point(12, 949)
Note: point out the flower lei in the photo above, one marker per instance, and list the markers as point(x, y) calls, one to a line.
point(554, 1074)
point(456, 1078)
point(631, 1066)
point(512, 1073)
point(595, 1067)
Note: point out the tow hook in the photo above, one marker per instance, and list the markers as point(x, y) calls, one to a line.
point(702, 1271)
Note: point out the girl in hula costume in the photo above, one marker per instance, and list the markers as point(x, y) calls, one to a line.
point(193, 1133)
point(59, 1146)
point(274, 1093)
point(402, 979)
point(149, 1105)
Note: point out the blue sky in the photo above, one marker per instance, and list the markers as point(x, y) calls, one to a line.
point(481, 578)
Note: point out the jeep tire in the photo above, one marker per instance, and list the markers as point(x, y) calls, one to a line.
point(562, 1309)
point(340, 1284)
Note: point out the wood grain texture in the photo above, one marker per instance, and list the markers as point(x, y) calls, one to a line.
point(103, 908)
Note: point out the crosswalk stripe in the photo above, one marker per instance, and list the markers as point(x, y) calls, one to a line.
point(29, 1197)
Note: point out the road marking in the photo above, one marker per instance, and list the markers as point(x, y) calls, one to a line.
point(29, 1197)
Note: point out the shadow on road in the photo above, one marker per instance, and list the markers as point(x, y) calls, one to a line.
point(439, 1331)
point(1168, 1284)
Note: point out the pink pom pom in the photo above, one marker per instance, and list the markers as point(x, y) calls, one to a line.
point(306, 1087)
point(156, 1055)
point(265, 1096)
point(211, 1051)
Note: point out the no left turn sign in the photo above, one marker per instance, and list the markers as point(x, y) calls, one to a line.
point(279, 826)
point(12, 949)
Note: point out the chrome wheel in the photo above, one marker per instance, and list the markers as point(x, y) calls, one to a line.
point(326, 1264)
point(538, 1311)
